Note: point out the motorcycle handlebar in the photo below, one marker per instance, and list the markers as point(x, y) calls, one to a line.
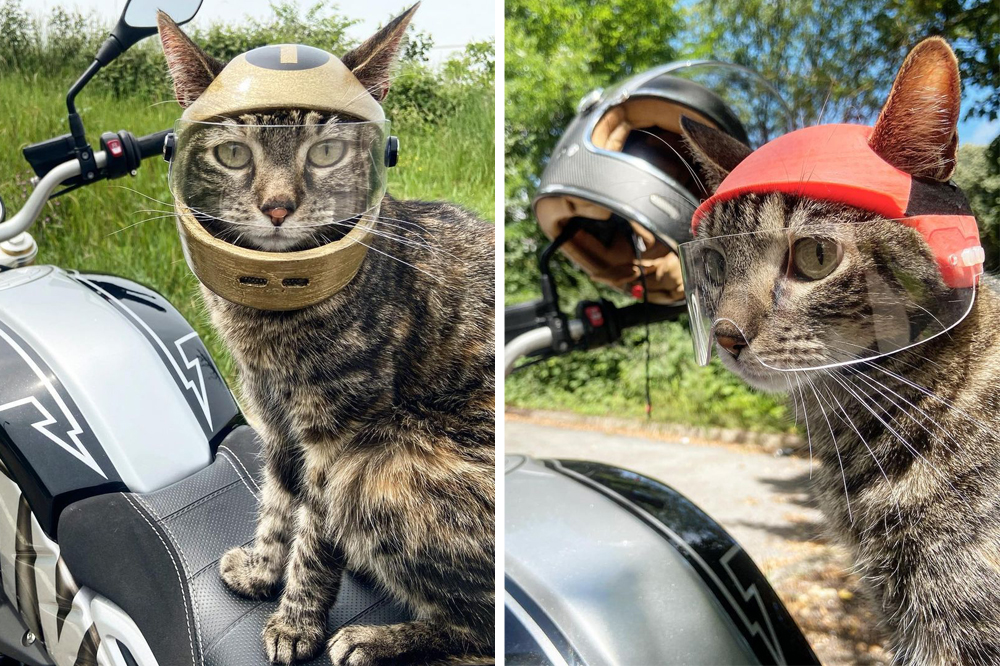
point(151, 145)
point(598, 323)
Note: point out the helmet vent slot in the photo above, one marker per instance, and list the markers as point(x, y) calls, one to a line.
point(295, 282)
point(253, 281)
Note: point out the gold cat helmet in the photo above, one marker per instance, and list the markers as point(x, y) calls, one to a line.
point(252, 191)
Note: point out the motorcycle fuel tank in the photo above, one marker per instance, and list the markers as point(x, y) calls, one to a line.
point(106, 387)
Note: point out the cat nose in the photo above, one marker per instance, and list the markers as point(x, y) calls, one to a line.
point(278, 211)
point(733, 344)
point(730, 339)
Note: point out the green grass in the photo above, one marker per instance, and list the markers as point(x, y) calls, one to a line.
point(103, 227)
point(611, 382)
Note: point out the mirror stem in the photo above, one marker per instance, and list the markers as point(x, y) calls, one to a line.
point(75, 123)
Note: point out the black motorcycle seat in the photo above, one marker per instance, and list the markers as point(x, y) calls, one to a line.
point(156, 555)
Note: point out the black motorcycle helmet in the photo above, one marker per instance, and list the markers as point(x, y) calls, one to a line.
point(623, 173)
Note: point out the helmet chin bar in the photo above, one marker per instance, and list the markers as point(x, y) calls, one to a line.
point(280, 281)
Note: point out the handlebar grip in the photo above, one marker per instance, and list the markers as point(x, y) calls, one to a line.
point(151, 145)
point(637, 313)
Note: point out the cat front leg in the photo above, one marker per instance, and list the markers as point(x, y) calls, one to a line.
point(297, 630)
point(255, 571)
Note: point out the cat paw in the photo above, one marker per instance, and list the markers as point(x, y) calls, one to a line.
point(244, 573)
point(357, 645)
point(286, 642)
point(360, 645)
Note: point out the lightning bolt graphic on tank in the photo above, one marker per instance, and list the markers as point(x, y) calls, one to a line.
point(76, 449)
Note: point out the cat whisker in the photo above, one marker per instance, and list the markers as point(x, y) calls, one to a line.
point(148, 219)
point(795, 403)
point(805, 411)
point(394, 238)
point(145, 196)
point(836, 448)
point(871, 381)
point(868, 380)
point(405, 263)
point(929, 394)
point(405, 223)
point(902, 440)
point(889, 484)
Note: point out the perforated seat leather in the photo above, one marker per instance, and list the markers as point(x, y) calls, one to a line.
point(156, 555)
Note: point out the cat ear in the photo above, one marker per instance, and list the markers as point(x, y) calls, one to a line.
point(716, 152)
point(917, 130)
point(191, 68)
point(372, 62)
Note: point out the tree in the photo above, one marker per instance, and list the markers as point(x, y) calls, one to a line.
point(558, 50)
point(983, 190)
point(835, 60)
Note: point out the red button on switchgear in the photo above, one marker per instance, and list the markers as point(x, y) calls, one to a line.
point(115, 146)
point(595, 315)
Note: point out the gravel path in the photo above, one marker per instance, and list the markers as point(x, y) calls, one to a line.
point(761, 499)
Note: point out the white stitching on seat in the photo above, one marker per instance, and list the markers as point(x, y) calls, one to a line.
point(226, 458)
point(184, 562)
point(180, 581)
point(249, 475)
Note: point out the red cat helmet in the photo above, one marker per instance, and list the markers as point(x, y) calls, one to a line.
point(899, 298)
point(835, 163)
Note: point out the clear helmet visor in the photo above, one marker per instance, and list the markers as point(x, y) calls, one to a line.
point(275, 184)
point(820, 295)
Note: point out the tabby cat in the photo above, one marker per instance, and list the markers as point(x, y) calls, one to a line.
point(375, 406)
point(910, 442)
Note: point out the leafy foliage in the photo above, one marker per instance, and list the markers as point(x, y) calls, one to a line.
point(63, 44)
point(836, 59)
point(982, 187)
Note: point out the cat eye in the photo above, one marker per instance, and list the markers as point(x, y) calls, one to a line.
point(714, 266)
point(815, 258)
point(233, 154)
point(326, 153)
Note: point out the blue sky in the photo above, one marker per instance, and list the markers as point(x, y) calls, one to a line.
point(976, 131)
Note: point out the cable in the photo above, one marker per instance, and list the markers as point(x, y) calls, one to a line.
point(645, 311)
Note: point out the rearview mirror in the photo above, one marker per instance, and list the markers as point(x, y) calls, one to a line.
point(138, 20)
point(141, 14)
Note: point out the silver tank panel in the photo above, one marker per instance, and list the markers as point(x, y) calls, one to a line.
point(117, 372)
point(620, 594)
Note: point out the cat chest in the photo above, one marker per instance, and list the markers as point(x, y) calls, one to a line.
point(381, 501)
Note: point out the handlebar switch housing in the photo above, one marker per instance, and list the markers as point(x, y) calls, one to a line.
point(600, 323)
point(46, 155)
point(123, 154)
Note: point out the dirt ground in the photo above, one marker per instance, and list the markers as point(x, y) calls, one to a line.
point(760, 498)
